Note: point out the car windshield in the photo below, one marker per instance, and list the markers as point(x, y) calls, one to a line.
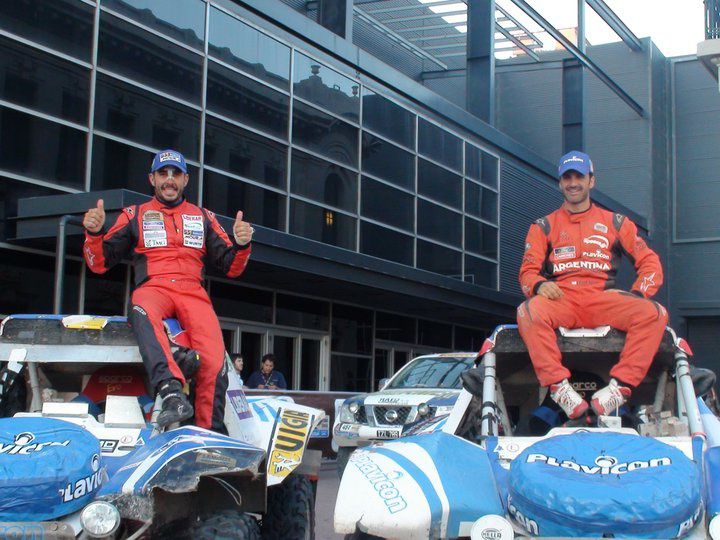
point(433, 372)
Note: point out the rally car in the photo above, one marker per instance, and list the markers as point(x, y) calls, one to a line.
point(500, 466)
point(81, 456)
point(425, 388)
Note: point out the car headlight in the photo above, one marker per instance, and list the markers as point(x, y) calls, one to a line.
point(100, 519)
point(714, 528)
point(423, 409)
point(347, 412)
point(354, 407)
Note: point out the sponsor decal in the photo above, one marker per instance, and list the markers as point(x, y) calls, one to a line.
point(90, 256)
point(140, 310)
point(115, 379)
point(193, 232)
point(530, 525)
point(211, 214)
point(152, 215)
point(528, 246)
point(389, 400)
point(153, 225)
point(169, 156)
point(130, 211)
point(597, 254)
point(127, 439)
point(600, 227)
point(574, 159)
point(603, 464)
point(289, 442)
point(155, 238)
point(647, 282)
point(381, 481)
point(23, 445)
point(322, 431)
point(688, 524)
point(192, 217)
point(84, 486)
point(490, 534)
point(581, 265)
point(108, 446)
point(215, 459)
point(598, 240)
point(239, 403)
point(583, 387)
point(348, 428)
point(562, 253)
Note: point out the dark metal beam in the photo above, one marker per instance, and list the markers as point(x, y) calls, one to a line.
point(532, 54)
point(577, 53)
point(616, 23)
point(572, 106)
point(480, 65)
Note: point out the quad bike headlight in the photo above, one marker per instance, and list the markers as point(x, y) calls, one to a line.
point(100, 519)
point(714, 528)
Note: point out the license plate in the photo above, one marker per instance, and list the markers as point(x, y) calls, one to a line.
point(388, 434)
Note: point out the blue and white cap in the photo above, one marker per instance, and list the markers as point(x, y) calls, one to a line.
point(575, 161)
point(168, 157)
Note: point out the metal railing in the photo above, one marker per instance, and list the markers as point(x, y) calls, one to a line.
point(712, 19)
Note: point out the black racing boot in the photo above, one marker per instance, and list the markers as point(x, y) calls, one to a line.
point(175, 404)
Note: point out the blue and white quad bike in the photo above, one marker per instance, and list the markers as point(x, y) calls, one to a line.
point(85, 462)
point(505, 463)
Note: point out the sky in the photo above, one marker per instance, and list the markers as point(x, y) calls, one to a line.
point(676, 26)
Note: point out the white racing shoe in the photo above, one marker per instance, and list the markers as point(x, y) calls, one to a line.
point(569, 400)
point(609, 399)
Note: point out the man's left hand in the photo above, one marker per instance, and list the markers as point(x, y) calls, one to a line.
point(242, 230)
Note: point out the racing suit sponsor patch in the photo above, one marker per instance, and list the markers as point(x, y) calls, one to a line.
point(600, 227)
point(193, 233)
point(597, 254)
point(155, 238)
point(581, 265)
point(597, 240)
point(562, 253)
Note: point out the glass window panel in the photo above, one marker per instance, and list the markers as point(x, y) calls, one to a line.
point(394, 327)
point(225, 196)
point(352, 329)
point(489, 170)
point(386, 243)
point(302, 312)
point(489, 205)
point(439, 223)
point(323, 181)
point(380, 367)
point(116, 165)
point(65, 25)
point(480, 272)
point(105, 294)
point(440, 145)
point(27, 281)
point(469, 339)
point(325, 134)
point(350, 373)
point(480, 238)
point(42, 82)
point(238, 302)
point(434, 334)
point(377, 154)
point(10, 192)
point(439, 259)
point(326, 87)
point(322, 224)
point(310, 364)
point(387, 118)
point(183, 21)
point(146, 118)
point(383, 203)
point(240, 45)
point(246, 100)
point(245, 153)
point(439, 184)
point(473, 198)
point(37, 148)
point(149, 59)
point(473, 160)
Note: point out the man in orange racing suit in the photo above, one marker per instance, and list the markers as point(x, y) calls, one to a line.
point(170, 241)
point(568, 274)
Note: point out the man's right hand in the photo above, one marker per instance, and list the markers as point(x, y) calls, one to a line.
point(550, 290)
point(95, 218)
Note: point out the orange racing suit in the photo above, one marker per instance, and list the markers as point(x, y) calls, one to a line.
point(581, 253)
point(170, 247)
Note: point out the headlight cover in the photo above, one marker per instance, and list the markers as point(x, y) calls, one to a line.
point(100, 519)
point(346, 414)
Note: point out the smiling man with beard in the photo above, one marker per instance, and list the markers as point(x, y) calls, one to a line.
point(568, 275)
point(169, 241)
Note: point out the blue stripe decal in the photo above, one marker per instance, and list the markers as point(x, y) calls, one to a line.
point(422, 480)
point(259, 410)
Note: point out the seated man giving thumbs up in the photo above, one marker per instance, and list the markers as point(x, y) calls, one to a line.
point(170, 241)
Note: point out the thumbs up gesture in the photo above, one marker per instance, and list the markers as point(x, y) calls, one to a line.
point(242, 230)
point(94, 218)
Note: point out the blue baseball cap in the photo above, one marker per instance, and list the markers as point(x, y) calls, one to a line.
point(168, 157)
point(575, 161)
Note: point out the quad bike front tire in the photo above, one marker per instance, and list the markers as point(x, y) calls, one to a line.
point(226, 525)
point(290, 510)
